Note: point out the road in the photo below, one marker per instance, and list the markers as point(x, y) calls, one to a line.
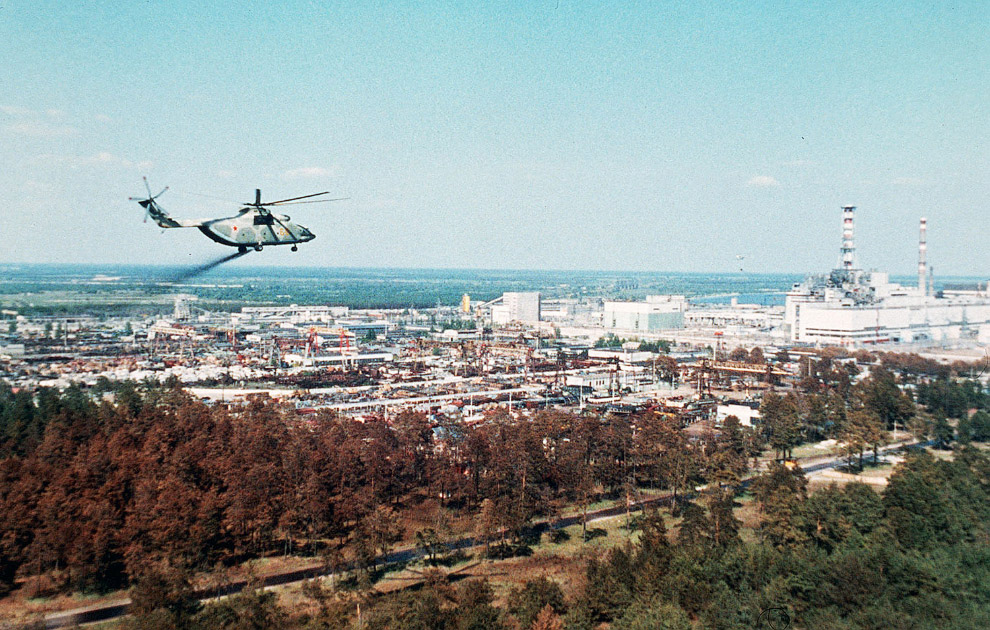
point(113, 610)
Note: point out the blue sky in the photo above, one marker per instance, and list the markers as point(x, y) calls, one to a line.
point(568, 135)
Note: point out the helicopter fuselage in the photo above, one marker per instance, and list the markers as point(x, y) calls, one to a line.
point(254, 229)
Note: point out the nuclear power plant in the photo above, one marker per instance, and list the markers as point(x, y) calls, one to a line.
point(852, 307)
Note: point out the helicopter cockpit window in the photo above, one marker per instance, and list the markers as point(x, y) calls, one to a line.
point(263, 219)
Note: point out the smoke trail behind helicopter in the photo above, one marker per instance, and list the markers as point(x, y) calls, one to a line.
point(191, 273)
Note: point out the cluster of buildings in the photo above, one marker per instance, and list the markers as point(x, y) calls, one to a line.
point(456, 361)
point(519, 349)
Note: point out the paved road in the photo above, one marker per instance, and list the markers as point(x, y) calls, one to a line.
point(120, 608)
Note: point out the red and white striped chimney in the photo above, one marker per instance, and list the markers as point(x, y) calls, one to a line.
point(922, 257)
point(848, 244)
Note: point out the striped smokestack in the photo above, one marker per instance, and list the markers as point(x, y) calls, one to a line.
point(848, 244)
point(922, 257)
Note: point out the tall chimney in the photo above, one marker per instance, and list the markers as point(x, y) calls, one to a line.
point(922, 256)
point(848, 245)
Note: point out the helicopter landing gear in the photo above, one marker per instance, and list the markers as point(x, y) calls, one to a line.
point(295, 248)
point(257, 248)
point(242, 250)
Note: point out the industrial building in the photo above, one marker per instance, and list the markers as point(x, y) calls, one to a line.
point(658, 312)
point(853, 307)
point(516, 306)
point(293, 314)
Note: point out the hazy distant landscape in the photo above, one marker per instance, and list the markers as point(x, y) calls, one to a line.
point(117, 288)
point(24, 286)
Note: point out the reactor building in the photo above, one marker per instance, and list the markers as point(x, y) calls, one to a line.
point(853, 307)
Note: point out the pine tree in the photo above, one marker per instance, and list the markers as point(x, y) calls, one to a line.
point(781, 493)
point(535, 596)
point(782, 422)
point(980, 423)
point(942, 432)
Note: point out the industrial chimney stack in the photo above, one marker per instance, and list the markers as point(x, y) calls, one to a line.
point(848, 245)
point(922, 255)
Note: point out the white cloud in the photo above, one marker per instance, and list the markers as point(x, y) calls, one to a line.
point(309, 172)
point(103, 159)
point(49, 123)
point(14, 110)
point(39, 129)
point(762, 181)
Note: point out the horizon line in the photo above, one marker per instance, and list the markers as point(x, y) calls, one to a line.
point(477, 269)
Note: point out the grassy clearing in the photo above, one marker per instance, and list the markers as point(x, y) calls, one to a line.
point(816, 450)
point(878, 471)
point(602, 535)
point(748, 513)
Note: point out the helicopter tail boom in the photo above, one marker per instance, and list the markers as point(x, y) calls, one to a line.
point(163, 219)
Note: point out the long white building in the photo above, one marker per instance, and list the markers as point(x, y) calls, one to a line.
point(853, 307)
point(658, 312)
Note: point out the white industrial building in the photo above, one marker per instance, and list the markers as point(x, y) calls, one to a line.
point(658, 312)
point(589, 382)
point(740, 315)
point(853, 307)
point(521, 306)
point(293, 314)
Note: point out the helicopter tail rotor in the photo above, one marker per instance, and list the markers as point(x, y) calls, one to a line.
point(149, 201)
point(151, 209)
point(148, 188)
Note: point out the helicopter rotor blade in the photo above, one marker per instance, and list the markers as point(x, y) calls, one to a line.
point(224, 199)
point(271, 203)
point(147, 187)
point(293, 203)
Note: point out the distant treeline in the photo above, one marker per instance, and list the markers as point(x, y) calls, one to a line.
point(371, 288)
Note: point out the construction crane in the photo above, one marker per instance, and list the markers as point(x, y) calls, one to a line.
point(344, 335)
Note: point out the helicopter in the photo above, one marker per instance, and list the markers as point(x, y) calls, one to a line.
point(254, 226)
